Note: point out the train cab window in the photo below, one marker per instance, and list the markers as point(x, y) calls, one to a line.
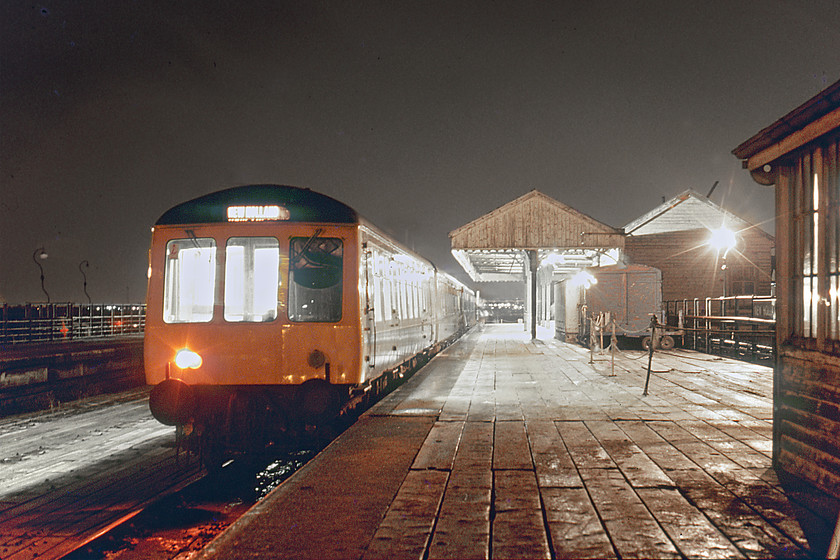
point(252, 279)
point(189, 280)
point(315, 272)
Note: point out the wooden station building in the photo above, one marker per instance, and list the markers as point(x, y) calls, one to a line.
point(675, 238)
point(545, 242)
point(800, 155)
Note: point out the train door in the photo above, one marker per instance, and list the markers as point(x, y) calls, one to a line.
point(369, 302)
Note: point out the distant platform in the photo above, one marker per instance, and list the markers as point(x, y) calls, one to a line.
point(504, 447)
point(39, 376)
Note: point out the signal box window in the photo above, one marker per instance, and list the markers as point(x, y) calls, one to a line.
point(252, 279)
point(315, 271)
point(189, 280)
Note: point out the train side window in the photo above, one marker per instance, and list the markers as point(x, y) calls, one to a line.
point(315, 273)
point(377, 299)
point(387, 300)
point(252, 279)
point(382, 305)
point(189, 280)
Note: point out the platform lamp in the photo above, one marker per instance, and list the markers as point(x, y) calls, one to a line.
point(40, 253)
point(85, 264)
point(723, 239)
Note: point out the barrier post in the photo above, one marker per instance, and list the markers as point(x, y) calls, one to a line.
point(653, 323)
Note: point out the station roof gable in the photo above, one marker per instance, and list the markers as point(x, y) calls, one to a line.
point(688, 210)
point(493, 247)
point(535, 221)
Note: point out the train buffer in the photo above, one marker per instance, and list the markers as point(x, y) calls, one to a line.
point(504, 447)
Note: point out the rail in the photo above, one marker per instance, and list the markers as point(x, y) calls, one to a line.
point(742, 327)
point(52, 322)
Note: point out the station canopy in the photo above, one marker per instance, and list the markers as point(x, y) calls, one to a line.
point(495, 247)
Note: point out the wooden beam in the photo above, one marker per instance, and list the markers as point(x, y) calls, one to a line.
point(819, 127)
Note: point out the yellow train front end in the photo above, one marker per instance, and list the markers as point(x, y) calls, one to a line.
point(252, 323)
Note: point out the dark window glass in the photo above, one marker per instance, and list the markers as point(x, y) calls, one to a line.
point(315, 272)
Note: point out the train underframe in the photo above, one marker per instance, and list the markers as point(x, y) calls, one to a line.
point(221, 422)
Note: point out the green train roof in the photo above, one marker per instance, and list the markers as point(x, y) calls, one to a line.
point(252, 203)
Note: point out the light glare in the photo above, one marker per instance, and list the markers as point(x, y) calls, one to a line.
point(723, 239)
point(187, 359)
point(584, 278)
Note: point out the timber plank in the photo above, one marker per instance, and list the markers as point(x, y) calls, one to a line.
point(769, 502)
point(586, 451)
point(575, 528)
point(552, 463)
point(510, 446)
point(476, 448)
point(752, 534)
point(633, 530)
point(639, 469)
point(482, 410)
point(407, 526)
point(692, 532)
point(438, 451)
point(463, 524)
point(518, 527)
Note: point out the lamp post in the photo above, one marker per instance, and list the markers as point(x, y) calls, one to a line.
point(40, 253)
point(723, 239)
point(84, 276)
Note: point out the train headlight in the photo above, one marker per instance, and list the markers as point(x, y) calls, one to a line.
point(187, 359)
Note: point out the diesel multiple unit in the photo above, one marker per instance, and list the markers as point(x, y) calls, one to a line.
point(270, 307)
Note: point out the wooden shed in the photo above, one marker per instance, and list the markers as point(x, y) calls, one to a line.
point(676, 237)
point(800, 155)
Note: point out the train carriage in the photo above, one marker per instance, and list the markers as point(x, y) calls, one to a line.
point(269, 307)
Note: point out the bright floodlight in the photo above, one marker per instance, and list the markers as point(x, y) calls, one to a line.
point(723, 239)
point(584, 278)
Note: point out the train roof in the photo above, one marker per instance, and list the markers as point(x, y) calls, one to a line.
point(296, 204)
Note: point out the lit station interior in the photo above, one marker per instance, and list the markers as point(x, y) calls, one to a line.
point(538, 239)
point(700, 248)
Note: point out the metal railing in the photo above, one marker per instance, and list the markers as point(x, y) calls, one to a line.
point(742, 327)
point(56, 322)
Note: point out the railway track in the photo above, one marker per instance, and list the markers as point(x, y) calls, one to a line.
point(179, 525)
point(100, 478)
point(70, 475)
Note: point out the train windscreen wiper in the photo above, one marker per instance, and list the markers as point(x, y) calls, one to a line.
point(303, 251)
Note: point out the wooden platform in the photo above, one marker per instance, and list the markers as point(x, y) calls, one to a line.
point(503, 447)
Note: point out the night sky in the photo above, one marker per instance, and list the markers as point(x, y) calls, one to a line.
point(421, 115)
